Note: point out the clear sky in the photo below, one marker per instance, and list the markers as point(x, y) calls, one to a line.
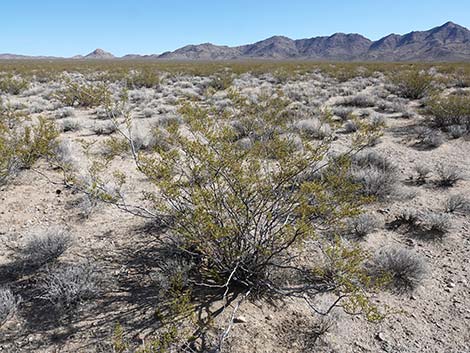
point(70, 27)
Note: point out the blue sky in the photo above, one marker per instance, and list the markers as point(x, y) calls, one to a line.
point(68, 27)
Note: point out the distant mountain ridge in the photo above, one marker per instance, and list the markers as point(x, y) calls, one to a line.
point(449, 42)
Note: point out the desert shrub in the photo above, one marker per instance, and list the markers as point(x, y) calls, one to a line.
point(457, 203)
point(13, 85)
point(448, 175)
point(350, 126)
point(234, 184)
point(65, 112)
point(104, 128)
point(85, 95)
point(376, 175)
point(70, 125)
point(456, 131)
point(433, 226)
point(343, 112)
point(423, 172)
point(313, 128)
point(222, 81)
point(360, 101)
point(21, 145)
point(8, 304)
point(67, 286)
point(449, 110)
point(428, 137)
point(43, 247)
point(405, 269)
point(412, 84)
point(146, 77)
point(148, 112)
point(362, 225)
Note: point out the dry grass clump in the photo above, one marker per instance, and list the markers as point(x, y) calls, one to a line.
point(457, 203)
point(313, 128)
point(8, 305)
point(67, 286)
point(376, 174)
point(404, 268)
point(448, 175)
point(359, 227)
point(43, 247)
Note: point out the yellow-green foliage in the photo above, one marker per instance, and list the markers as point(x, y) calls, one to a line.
point(13, 85)
point(222, 80)
point(449, 110)
point(84, 94)
point(228, 203)
point(22, 144)
point(412, 84)
point(145, 77)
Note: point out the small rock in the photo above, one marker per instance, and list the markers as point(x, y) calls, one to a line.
point(382, 337)
point(239, 320)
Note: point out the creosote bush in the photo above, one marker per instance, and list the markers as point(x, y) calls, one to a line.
point(13, 85)
point(404, 268)
point(22, 143)
point(451, 110)
point(85, 95)
point(145, 77)
point(412, 84)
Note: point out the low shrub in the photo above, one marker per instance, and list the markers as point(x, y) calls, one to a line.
point(362, 225)
point(428, 137)
point(433, 226)
point(376, 175)
point(70, 285)
point(449, 110)
point(457, 203)
point(448, 175)
point(84, 95)
point(145, 77)
point(8, 305)
point(412, 84)
point(43, 247)
point(404, 268)
point(359, 101)
point(13, 85)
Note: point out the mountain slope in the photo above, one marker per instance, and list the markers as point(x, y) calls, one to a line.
point(449, 42)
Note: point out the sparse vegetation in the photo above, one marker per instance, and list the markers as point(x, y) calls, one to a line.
point(254, 181)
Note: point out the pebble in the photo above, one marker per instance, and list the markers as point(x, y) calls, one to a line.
point(239, 320)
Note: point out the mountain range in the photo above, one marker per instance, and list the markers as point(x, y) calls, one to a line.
point(449, 42)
